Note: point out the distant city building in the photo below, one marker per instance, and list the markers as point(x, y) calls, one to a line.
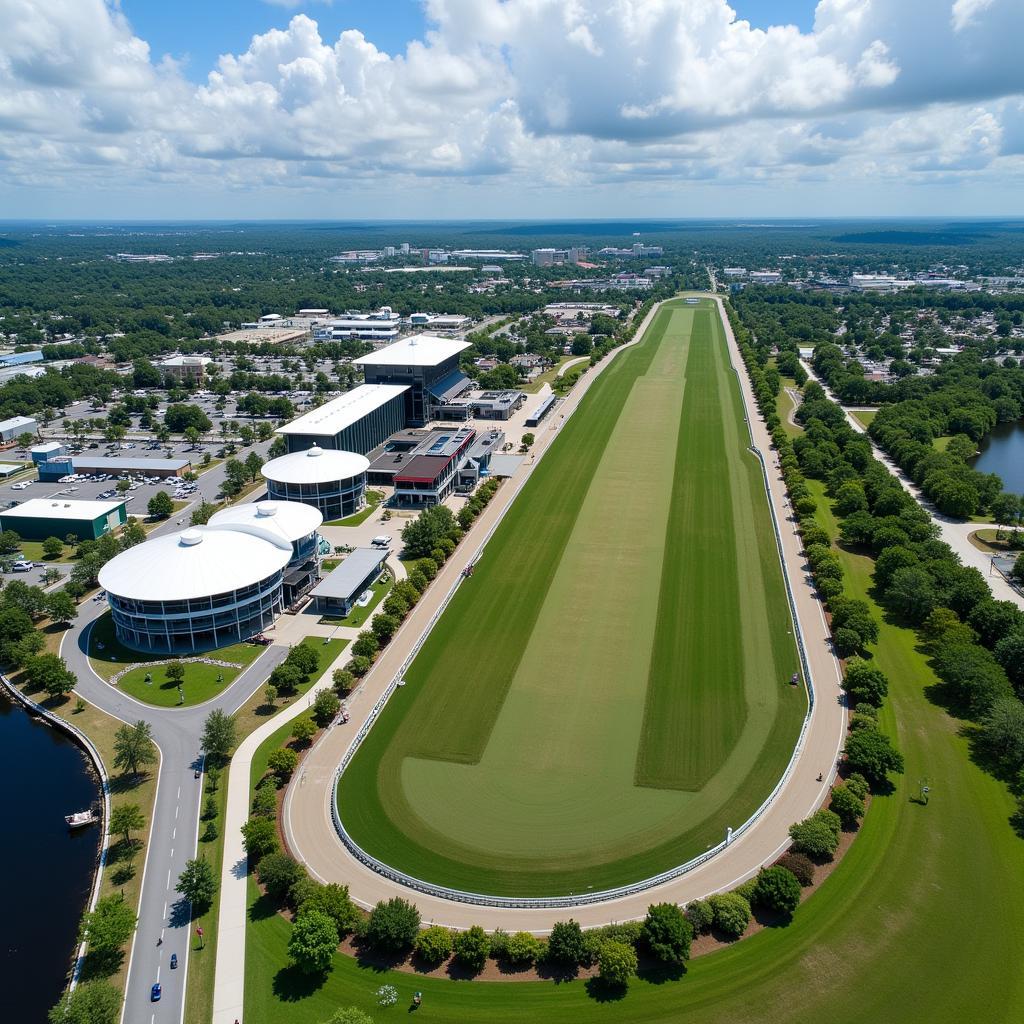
point(765, 276)
point(182, 368)
point(735, 271)
point(16, 426)
point(382, 327)
point(487, 254)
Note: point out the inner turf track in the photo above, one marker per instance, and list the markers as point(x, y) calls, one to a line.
point(609, 691)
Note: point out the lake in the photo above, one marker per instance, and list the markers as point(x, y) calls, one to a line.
point(1002, 452)
point(48, 871)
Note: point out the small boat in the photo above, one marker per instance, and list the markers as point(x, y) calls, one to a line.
point(80, 818)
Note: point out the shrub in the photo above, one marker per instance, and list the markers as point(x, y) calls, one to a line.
point(325, 706)
point(871, 754)
point(304, 658)
point(777, 889)
point(303, 730)
point(365, 645)
point(499, 944)
point(434, 945)
point(350, 1015)
point(858, 785)
point(278, 873)
point(700, 915)
point(331, 899)
point(799, 865)
point(471, 948)
point(523, 948)
point(817, 836)
point(393, 925)
point(617, 963)
point(359, 665)
point(847, 805)
point(864, 683)
point(746, 889)
point(283, 762)
point(668, 933)
point(418, 580)
point(566, 944)
point(264, 801)
point(313, 942)
point(428, 567)
point(259, 838)
point(731, 913)
point(383, 627)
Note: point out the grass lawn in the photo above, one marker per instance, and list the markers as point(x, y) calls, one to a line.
point(784, 405)
point(373, 500)
point(252, 714)
point(201, 683)
point(32, 551)
point(360, 615)
point(628, 771)
point(865, 417)
point(548, 376)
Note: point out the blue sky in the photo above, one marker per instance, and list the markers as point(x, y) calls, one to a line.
point(511, 108)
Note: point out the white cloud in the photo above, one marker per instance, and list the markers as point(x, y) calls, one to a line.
point(547, 93)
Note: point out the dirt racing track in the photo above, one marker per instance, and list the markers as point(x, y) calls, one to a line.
point(308, 822)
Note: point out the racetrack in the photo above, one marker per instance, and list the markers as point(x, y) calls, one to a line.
point(610, 690)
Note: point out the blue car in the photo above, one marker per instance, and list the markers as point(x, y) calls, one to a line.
point(154, 993)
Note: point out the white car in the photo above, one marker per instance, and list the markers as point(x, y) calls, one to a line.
point(21, 486)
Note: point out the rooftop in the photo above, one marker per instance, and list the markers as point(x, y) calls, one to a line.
point(334, 416)
point(50, 508)
point(344, 581)
point(417, 350)
point(315, 465)
point(286, 520)
point(107, 462)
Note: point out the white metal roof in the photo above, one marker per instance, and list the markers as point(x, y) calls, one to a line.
point(59, 508)
point(334, 416)
point(315, 465)
point(287, 520)
point(346, 579)
point(197, 562)
point(417, 350)
point(17, 421)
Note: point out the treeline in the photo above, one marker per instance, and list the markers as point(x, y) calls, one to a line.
point(975, 643)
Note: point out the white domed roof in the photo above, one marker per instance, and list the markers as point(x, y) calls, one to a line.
point(287, 520)
point(315, 466)
point(197, 562)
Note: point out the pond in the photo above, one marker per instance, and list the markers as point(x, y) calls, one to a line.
point(1002, 452)
point(49, 870)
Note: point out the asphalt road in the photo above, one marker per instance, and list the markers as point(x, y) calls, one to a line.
point(163, 916)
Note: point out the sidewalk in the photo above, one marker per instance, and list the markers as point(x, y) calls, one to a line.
point(229, 983)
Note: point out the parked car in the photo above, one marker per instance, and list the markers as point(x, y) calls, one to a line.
point(21, 567)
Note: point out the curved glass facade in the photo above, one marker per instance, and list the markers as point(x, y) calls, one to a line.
point(201, 623)
point(335, 499)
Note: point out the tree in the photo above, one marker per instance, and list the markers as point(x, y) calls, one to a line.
point(424, 533)
point(259, 838)
point(343, 681)
point(270, 694)
point(1017, 572)
point(731, 913)
point(305, 658)
point(393, 925)
point(286, 678)
point(566, 944)
point(817, 836)
point(1002, 730)
point(383, 627)
point(53, 547)
point(134, 747)
point(108, 926)
point(365, 645)
point(14, 624)
point(175, 672)
point(872, 754)
point(283, 762)
point(218, 735)
point(1009, 652)
point(125, 819)
point(253, 465)
point(278, 873)
point(181, 419)
point(434, 945)
point(303, 730)
point(326, 706)
point(471, 947)
point(333, 900)
point(522, 948)
point(777, 889)
point(61, 607)
point(313, 942)
point(616, 963)
point(911, 593)
point(847, 805)
point(50, 672)
point(160, 506)
point(668, 933)
point(865, 684)
point(198, 884)
point(97, 1002)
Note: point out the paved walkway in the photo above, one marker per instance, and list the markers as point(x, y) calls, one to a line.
point(307, 816)
point(954, 532)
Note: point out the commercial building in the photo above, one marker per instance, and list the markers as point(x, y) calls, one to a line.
point(356, 421)
point(556, 257)
point(54, 468)
point(293, 522)
point(204, 587)
point(427, 366)
point(487, 254)
point(765, 276)
point(429, 475)
point(535, 417)
point(186, 368)
point(381, 327)
point(47, 451)
point(13, 428)
point(21, 358)
point(40, 518)
point(338, 593)
point(332, 481)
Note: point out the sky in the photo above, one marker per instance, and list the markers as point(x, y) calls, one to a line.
point(510, 108)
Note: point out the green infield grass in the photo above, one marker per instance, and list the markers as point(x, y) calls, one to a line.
point(610, 690)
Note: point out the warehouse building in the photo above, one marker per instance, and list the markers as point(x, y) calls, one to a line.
point(202, 588)
point(12, 429)
point(63, 465)
point(40, 518)
point(427, 366)
point(333, 482)
point(338, 593)
point(356, 421)
point(294, 523)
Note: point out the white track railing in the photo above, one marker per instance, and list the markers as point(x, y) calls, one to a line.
point(481, 899)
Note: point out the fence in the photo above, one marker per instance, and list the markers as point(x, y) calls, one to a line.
point(553, 902)
point(97, 760)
